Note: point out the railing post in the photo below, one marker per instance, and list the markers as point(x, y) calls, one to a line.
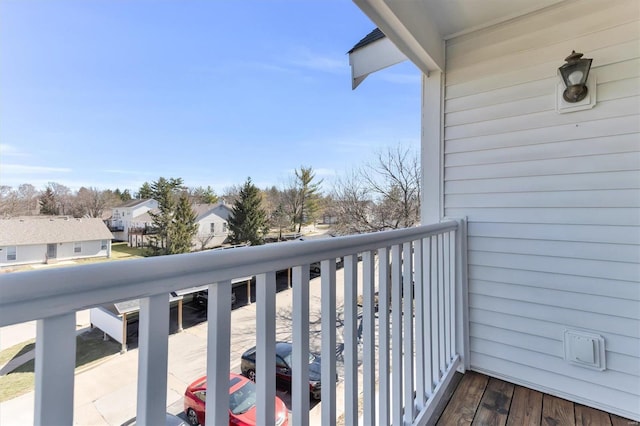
point(265, 348)
point(350, 343)
point(153, 332)
point(407, 342)
point(462, 295)
point(300, 379)
point(218, 342)
point(368, 336)
point(328, 323)
point(55, 362)
point(396, 335)
point(384, 414)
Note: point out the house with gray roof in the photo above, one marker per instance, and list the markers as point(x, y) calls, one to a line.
point(39, 239)
point(212, 222)
point(124, 216)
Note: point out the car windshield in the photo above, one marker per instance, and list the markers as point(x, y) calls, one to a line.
point(288, 359)
point(243, 399)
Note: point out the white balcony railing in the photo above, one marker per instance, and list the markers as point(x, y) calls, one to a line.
point(412, 344)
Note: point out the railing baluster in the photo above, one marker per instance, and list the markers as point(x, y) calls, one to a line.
point(300, 379)
point(428, 343)
point(54, 369)
point(447, 299)
point(368, 336)
point(396, 334)
point(266, 347)
point(435, 340)
point(384, 414)
point(218, 342)
point(419, 325)
point(452, 285)
point(350, 342)
point(407, 302)
point(153, 335)
point(441, 305)
point(328, 323)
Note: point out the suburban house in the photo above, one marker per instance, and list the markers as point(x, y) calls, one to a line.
point(123, 216)
point(211, 219)
point(42, 239)
point(526, 267)
point(213, 227)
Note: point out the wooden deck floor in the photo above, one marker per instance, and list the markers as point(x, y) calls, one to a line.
point(480, 400)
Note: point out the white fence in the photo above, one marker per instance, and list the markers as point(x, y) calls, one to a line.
point(414, 336)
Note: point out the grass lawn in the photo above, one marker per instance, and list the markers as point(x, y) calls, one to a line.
point(122, 251)
point(90, 348)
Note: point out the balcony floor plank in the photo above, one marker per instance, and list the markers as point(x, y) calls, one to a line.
point(495, 403)
point(474, 398)
point(556, 411)
point(526, 407)
point(466, 399)
point(587, 416)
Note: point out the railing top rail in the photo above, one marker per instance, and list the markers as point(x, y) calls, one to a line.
point(26, 296)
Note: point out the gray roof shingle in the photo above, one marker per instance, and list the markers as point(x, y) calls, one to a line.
point(368, 39)
point(49, 230)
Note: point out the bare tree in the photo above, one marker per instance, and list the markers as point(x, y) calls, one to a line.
point(381, 195)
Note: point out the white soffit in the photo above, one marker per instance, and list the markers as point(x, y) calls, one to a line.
point(373, 57)
point(419, 28)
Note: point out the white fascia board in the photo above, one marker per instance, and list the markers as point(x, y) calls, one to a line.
point(428, 55)
point(373, 57)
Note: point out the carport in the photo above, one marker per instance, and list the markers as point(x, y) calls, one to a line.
point(112, 318)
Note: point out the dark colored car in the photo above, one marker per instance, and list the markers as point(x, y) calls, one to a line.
point(242, 402)
point(283, 367)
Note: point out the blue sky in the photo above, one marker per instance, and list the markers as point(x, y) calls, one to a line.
point(115, 93)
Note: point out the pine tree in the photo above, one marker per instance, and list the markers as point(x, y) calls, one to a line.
point(164, 192)
point(308, 194)
point(183, 227)
point(48, 203)
point(248, 220)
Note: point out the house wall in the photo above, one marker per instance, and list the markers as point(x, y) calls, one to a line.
point(25, 254)
point(37, 253)
point(204, 228)
point(552, 200)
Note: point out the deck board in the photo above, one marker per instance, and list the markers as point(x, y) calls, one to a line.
point(526, 407)
point(463, 405)
point(621, 421)
point(480, 400)
point(587, 416)
point(495, 403)
point(557, 412)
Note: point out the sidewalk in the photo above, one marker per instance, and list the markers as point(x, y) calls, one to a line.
point(106, 394)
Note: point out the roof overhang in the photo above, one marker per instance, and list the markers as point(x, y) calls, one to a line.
point(419, 28)
point(373, 57)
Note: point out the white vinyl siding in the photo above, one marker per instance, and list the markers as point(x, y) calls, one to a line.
point(552, 200)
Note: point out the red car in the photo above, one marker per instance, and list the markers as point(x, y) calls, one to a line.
point(242, 402)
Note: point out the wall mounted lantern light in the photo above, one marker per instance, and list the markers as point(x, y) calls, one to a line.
point(574, 74)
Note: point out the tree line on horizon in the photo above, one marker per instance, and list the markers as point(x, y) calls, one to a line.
point(381, 195)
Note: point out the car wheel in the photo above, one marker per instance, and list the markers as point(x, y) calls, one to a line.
point(251, 375)
point(192, 417)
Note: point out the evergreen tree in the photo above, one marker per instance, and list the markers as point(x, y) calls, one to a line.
point(48, 203)
point(183, 227)
point(248, 220)
point(145, 191)
point(307, 193)
point(164, 192)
